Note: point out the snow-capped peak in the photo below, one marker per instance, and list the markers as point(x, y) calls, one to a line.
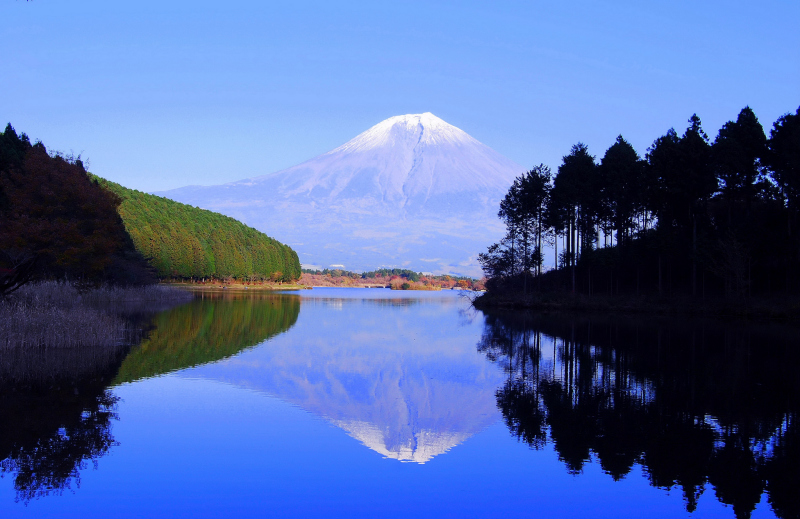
point(409, 129)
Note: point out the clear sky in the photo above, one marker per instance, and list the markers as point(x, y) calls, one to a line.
point(159, 95)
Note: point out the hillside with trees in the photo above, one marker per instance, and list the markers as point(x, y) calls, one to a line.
point(181, 241)
point(58, 223)
point(693, 217)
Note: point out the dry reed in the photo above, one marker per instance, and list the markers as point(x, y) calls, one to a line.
point(57, 315)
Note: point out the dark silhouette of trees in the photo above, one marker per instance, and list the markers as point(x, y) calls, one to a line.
point(692, 218)
point(784, 160)
point(523, 212)
point(574, 206)
point(739, 150)
point(623, 199)
point(682, 181)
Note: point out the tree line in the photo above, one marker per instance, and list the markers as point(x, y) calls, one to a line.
point(387, 273)
point(692, 216)
point(182, 241)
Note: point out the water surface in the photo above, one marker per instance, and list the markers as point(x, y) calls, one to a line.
point(368, 402)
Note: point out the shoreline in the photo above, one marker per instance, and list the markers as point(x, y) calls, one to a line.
point(214, 287)
point(753, 308)
point(219, 287)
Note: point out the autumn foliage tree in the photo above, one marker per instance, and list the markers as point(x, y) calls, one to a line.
point(53, 215)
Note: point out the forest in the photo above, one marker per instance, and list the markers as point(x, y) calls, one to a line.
point(187, 242)
point(693, 217)
point(58, 221)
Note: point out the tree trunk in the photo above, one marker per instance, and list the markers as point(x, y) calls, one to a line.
point(574, 255)
point(660, 289)
point(555, 265)
point(694, 256)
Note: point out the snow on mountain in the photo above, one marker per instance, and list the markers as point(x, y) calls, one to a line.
point(419, 447)
point(412, 191)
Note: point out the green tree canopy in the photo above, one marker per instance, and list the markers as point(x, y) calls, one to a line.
point(188, 242)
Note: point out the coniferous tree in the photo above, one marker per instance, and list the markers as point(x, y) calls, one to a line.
point(623, 177)
point(784, 156)
point(738, 152)
point(575, 203)
point(664, 174)
point(523, 211)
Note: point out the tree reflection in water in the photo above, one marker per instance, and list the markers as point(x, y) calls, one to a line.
point(56, 411)
point(694, 403)
point(210, 328)
point(56, 415)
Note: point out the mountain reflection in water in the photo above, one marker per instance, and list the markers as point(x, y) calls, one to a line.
point(708, 409)
point(406, 383)
point(694, 403)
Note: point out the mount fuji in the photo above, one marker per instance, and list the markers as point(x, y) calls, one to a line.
point(411, 192)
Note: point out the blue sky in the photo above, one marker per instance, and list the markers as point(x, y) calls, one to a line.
point(160, 95)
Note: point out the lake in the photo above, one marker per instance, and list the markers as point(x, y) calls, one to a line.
point(371, 402)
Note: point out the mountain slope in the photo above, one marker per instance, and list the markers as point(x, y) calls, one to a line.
point(411, 191)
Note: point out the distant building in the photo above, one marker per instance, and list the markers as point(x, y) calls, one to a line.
point(337, 266)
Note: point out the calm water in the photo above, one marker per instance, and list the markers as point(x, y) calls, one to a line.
point(368, 402)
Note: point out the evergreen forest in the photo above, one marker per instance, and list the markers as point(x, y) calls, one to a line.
point(186, 242)
point(693, 217)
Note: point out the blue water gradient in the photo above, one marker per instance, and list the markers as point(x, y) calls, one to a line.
point(374, 404)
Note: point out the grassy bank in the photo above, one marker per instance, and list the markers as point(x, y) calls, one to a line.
point(58, 315)
point(781, 308)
